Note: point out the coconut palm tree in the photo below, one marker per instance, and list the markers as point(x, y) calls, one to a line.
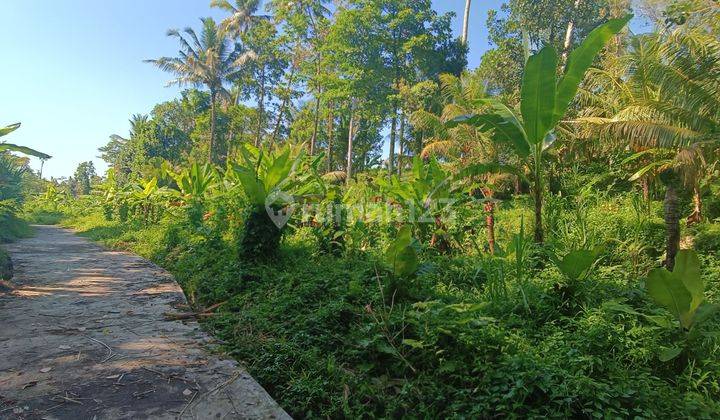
point(465, 142)
point(669, 114)
point(242, 15)
point(476, 158)
point(208, 59)
point(466, 22)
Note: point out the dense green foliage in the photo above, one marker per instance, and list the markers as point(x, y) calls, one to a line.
point(329, 335)
point(520, 251)
point(16, 181)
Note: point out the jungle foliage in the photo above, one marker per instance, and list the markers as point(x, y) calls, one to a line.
point(539, 239)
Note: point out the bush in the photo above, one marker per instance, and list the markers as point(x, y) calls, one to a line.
point(6, 267)
point(260, 238)
point(711, 204)
point(707, 238)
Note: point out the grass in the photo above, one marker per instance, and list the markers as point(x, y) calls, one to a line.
point(326, 338)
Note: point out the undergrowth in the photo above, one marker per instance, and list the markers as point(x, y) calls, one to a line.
point(323, 336)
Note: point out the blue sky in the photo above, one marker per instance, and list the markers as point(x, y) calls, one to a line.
point(72, 70)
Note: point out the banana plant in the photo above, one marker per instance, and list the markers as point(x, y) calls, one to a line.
point(426, 194)
point(682, 293)
point(267, 181)
point(52, 196)
point(16, 148)
point(145, 199)
point(401, 257)
point(544, 101)
point(194, 185)
point(195, 182)
point(482, 177)
point(577, 264)
point(108, 192)
point(262, 175)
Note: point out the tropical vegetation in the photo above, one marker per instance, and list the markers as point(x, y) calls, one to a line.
point(376, 230)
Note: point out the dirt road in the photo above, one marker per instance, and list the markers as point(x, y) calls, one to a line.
point(84, 336)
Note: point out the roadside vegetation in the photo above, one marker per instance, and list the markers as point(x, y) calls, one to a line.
point(540, 239)
point(16, 183)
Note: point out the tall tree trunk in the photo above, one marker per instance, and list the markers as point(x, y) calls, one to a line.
point(261, 109)
point(238, 90)
point(696, 216)
point(568, 36)
point(351, 128)
point(276, 130)
point(316, 125)
point(330, 134)
point(645, 182)
point(283, 106)
point(391, 154)
point(672, 225)
point(466, 21)
point(401, 143)
point(318, 91)
point(213, 100)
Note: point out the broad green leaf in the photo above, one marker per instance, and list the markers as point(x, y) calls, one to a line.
point(278, 170)
point(705, 312)
point(638, 155)
point(505, 126)
point(687, 270)
point(671, 293)
point(615, 306)
point(406, 262)
point(22, 149)
point(649, 168)
point(417, 167)
point(9, 129)
point(254, 189)
point(579, 60)
point(401, 256)
point(249, 154)
point(670, 353)
point(575, 263)
point(660, 321)
point(150, 187)
point(537, 95)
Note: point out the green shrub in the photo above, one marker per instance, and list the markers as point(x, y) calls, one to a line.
point(260, 237)
point(6, 267)
point(707, 238)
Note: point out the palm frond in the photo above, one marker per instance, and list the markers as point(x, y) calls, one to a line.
point(9, 129)
point(444, 148)
point(22, 149)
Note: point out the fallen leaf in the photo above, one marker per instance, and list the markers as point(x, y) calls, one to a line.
point(187, 393)
point(112, 377)
point(46, 369)
point(64, 347)
point(82, 329)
